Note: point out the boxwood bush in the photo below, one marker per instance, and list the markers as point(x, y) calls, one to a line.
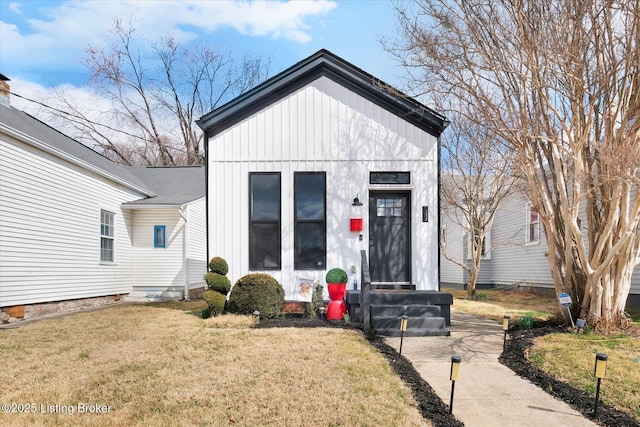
point(218, 283)
point(219, 265)
point(257, 291)
point(215, 302)
point(336, 275)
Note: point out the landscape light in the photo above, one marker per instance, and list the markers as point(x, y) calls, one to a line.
point(505, 328)
point(579, 325)
point(403, 327)
point(599, 371)
point(453, 376)
point(256, 316)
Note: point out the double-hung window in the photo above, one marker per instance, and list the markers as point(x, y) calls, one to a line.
point(106, 236)
point(310, 227)
point(264, 221)
point(533, 225)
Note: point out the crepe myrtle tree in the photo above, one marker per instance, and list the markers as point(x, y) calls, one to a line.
point(151, 93)
point(558, 81)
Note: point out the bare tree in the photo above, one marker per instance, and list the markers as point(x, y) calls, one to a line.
point(155, 95)
point(477, 175)
point(560, 82)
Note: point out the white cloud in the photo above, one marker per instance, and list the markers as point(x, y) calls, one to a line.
point(15, 7)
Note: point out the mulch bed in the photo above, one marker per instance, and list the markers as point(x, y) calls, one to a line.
point(435, 410)
point(514, 358)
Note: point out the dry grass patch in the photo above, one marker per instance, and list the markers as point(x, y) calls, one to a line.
point(163, 365)
point(495, 304)
point(571, 358)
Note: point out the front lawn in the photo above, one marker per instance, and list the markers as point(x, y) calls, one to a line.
point(567, 356)
point(163, 365)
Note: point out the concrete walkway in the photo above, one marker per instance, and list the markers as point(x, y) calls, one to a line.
point(487, 393)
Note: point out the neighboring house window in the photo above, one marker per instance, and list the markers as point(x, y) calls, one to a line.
point(106, 236)
point(485, 244)
point(533, 225)
point(159, 234)
point(264, 221)
point(310, 229)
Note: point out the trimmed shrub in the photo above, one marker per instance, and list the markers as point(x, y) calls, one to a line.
point(257, 291)
point(215, 301)
point(336, 275)
point(219, 265)
point(311, 308)
point(218, 283)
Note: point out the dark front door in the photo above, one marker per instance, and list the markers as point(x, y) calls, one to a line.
point(389, 237)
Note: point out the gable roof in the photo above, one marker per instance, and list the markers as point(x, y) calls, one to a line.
point(323, 63)
point(173, 185)
point(159, 186)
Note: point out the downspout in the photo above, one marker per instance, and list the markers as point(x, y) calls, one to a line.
point(185, 245)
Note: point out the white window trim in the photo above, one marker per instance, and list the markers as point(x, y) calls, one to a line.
point(487, 245)
point(101, 236)
point(528, 227)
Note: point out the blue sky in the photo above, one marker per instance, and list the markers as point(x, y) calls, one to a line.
point(42, 43)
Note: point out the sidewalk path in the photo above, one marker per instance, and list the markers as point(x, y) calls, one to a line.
point(487, 393)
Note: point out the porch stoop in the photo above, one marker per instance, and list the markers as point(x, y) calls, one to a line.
point(428, 312)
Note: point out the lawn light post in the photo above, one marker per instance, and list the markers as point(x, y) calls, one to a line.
point(599, 372)
point(453, 376)
point(505, 328)
point(403, 328)
point(256, 316)
point(579, 325)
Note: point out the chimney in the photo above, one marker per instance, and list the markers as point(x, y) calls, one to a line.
point(4, 91)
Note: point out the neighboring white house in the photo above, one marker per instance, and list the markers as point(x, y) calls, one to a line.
point(75, 225)
point(517, 253)
point(286, 160)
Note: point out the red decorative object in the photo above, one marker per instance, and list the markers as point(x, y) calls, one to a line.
point(337, 308)
point(355, 224)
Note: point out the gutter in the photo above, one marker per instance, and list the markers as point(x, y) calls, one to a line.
point(185, 245)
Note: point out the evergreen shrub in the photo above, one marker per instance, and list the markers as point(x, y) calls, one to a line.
point(219, 265)
point(336, 275)
point(218, 283)
point(257, 291)
point(215, 301)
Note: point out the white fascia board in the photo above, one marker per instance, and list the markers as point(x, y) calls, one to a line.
point(21, 136)
point(160, 206)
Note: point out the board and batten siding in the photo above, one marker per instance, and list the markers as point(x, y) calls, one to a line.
point(50, 229)
point(321, 127)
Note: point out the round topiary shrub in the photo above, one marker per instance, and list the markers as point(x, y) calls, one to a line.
point(257, 291)
point(218, 283)
point(219, 265)
point(216, 302)
point(336, 275)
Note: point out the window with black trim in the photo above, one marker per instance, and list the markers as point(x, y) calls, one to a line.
point(310, 228)
point(159, 236)
point(393, 178)
point(264, 221)
point(107, 225)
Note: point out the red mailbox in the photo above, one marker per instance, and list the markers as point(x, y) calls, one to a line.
point(355, 222)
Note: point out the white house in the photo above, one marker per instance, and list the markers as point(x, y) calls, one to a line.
point(76, 226)
point(516, 254)
point(286, 160)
